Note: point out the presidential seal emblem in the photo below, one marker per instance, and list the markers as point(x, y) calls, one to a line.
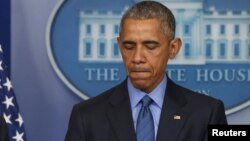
point(214, 59)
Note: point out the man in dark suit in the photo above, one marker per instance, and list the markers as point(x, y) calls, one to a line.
point(3, 130)
point(147, 40)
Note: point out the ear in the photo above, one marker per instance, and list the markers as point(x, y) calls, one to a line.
point(118, 39)
point(175, 46)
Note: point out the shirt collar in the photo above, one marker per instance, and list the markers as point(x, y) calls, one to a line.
point(157, 94)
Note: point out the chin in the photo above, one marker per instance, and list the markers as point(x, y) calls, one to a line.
point(139, 85)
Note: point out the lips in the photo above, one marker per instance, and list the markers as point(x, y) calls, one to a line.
point(139, 73)
point(137, 69)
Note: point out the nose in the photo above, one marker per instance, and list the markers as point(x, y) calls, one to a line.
point(138, 56)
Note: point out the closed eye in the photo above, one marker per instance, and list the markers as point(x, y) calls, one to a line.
point(151, 44)
point(129, 44)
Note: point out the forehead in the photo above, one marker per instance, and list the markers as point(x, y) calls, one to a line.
point(142, 30)
point(140, 25)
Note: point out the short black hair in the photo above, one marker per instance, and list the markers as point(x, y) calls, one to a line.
point(152, 10)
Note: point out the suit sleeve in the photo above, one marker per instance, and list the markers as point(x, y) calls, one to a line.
point(217, 117)
point(218, 114)
point(76, 126)
point(3, 130)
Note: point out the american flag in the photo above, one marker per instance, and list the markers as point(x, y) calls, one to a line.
point(8, 106)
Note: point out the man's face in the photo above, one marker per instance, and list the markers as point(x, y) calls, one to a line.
point(145, 51)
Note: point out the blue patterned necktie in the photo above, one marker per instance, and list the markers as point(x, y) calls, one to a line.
point(145, 122)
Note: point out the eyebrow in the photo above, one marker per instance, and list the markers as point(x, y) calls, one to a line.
point(144, 42)
point(150, 42)
point(128, 42)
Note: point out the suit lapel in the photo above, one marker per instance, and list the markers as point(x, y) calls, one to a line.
point(120, 115)
point(173, 116)
point(172, 119)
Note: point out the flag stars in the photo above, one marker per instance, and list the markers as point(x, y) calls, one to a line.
point(8, 105)
point(1, 67)
point(19, 120)
point(18, 136)
point(1, 84)
point(8, 102)
point(1, 49)
point(7, 118)
point(8, 84)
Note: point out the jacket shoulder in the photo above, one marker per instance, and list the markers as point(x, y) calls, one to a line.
point(201, 107)
point(99, 101)
point(192, 96)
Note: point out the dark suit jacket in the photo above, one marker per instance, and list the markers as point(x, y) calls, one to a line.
point(108, 117)
point(3, 130)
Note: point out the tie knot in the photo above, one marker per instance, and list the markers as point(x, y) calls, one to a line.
point(146, 101)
